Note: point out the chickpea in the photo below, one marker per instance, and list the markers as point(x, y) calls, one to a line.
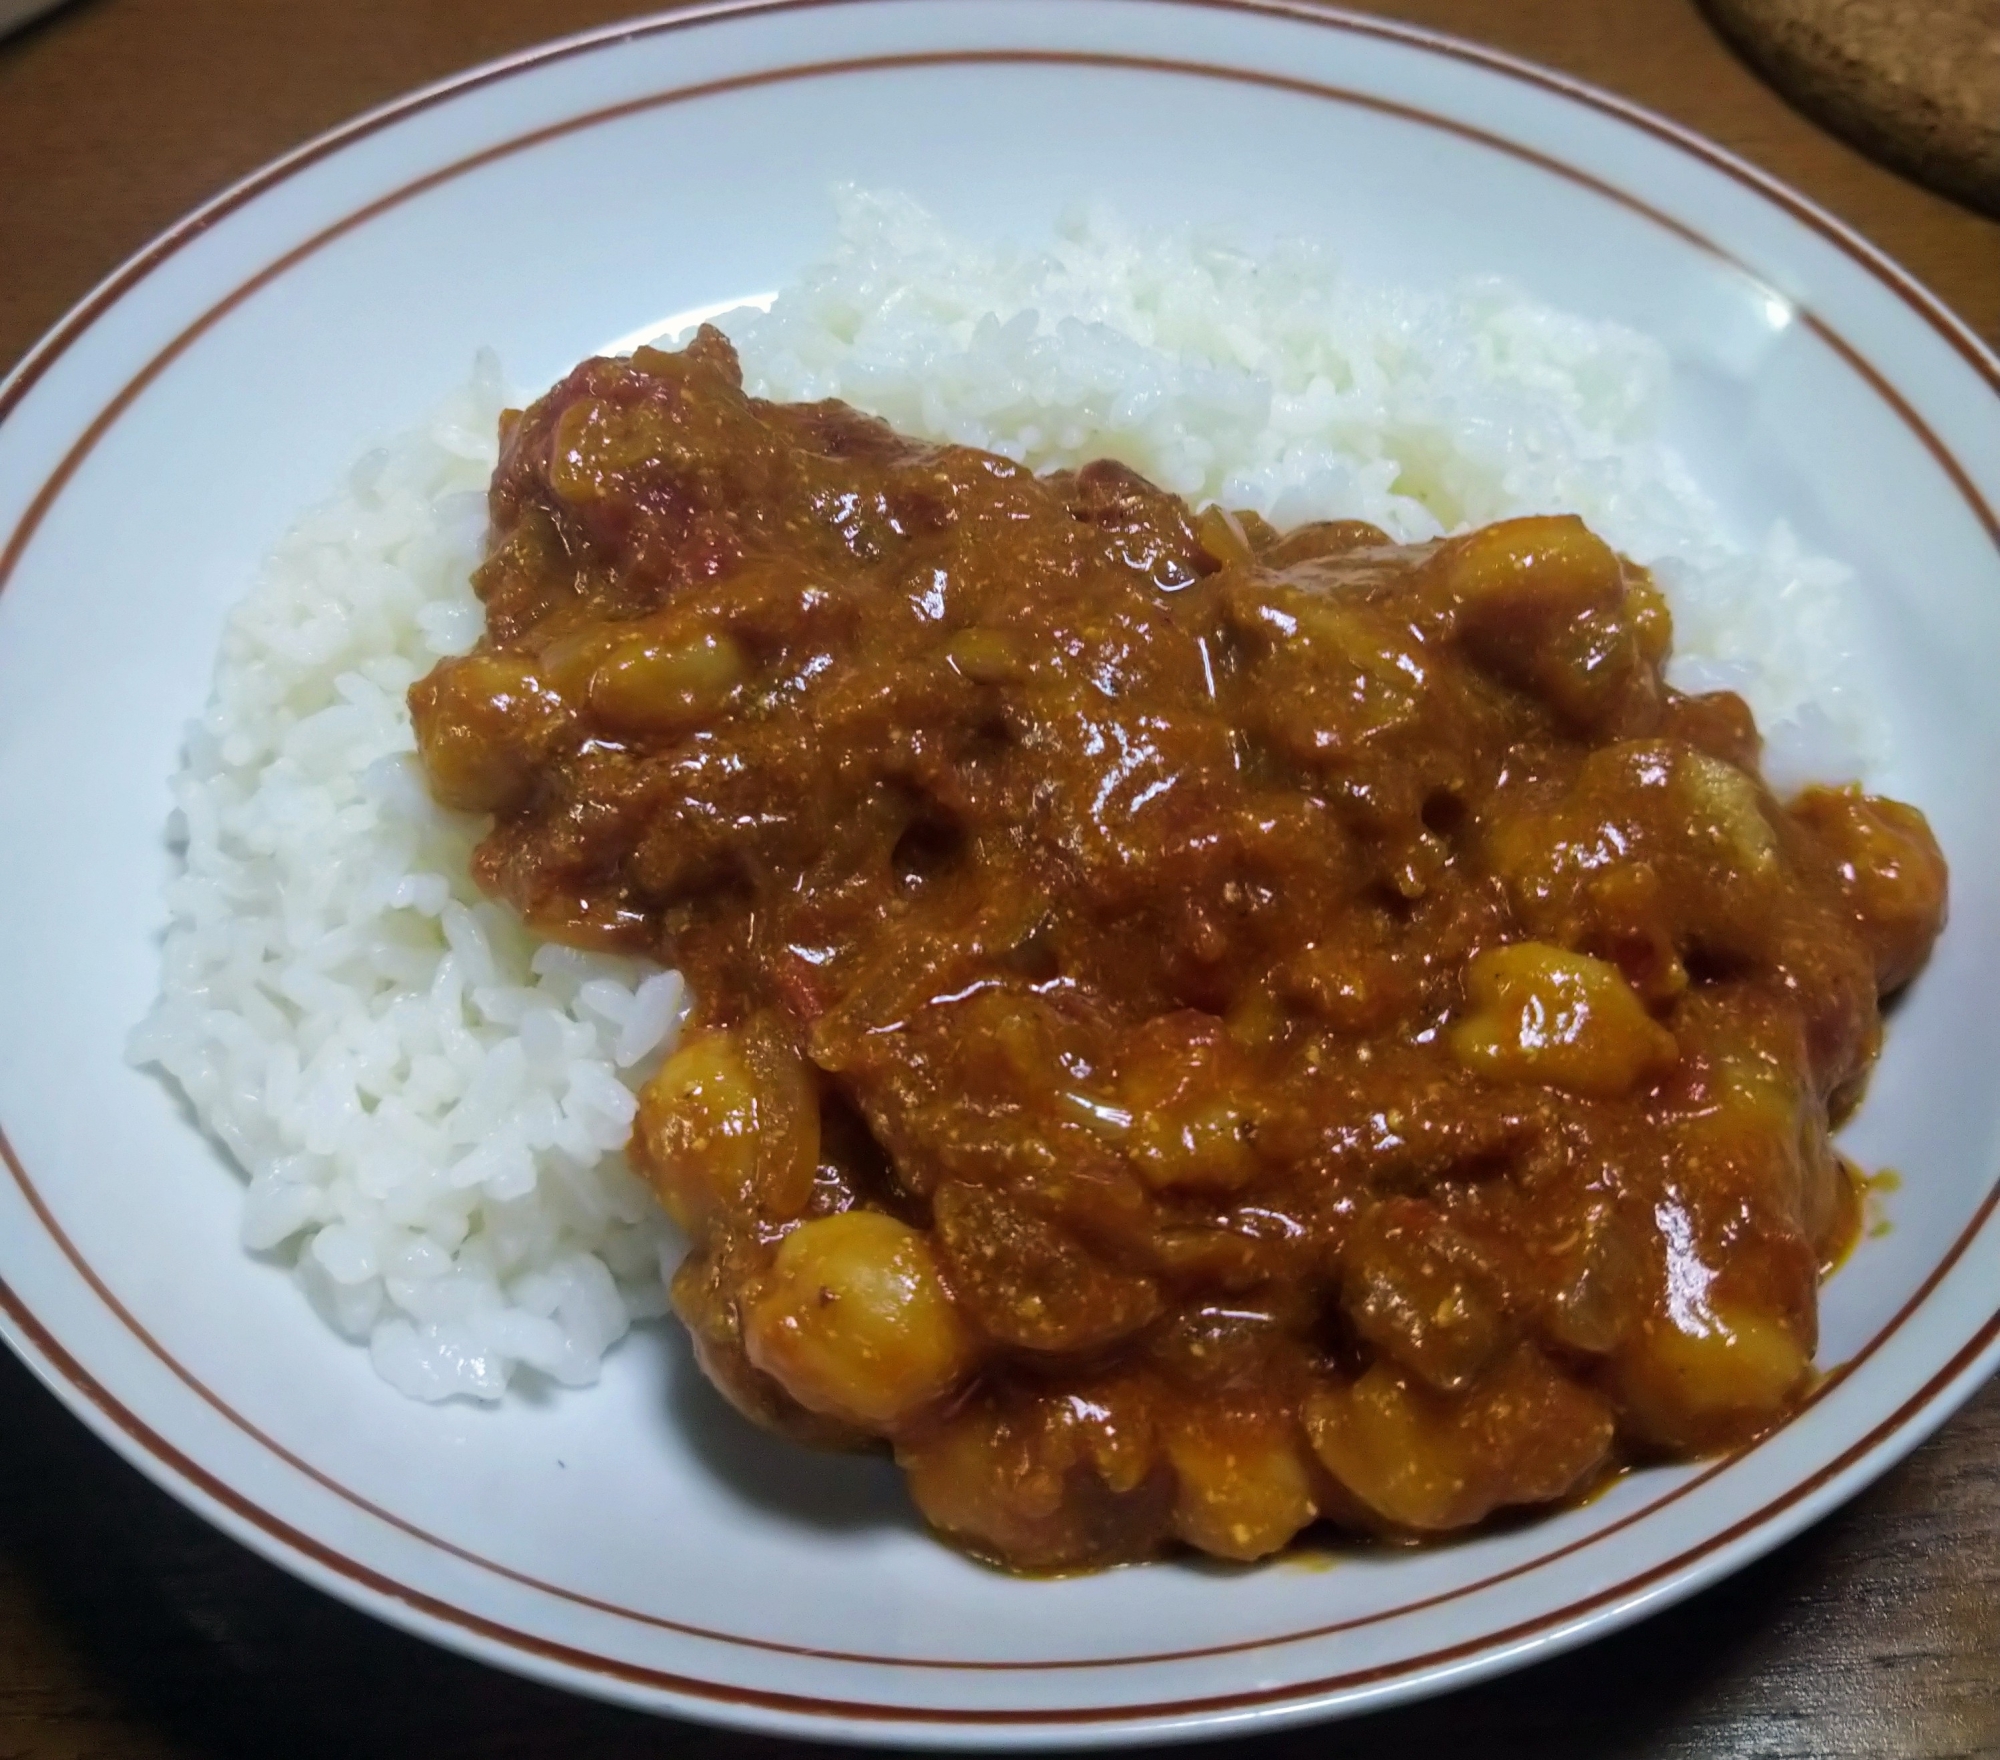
point(1378, 1438)
point(1710, 1380)
point(729, 1127)
point(1184, 1086)
point(651, 685)
point(1059, 1482)
point(1387, 670)
point(1540, 1014)
point(977, 1481)
point(1519, 578)
point(568, 660)
point(1547, 605)
point(1424, 1460)
point(1757, 1080)
point(1242, 1485)
point(1730, 803)
point(594, 441)
point(1201, 1144)
point(1763, 1127)
point(482, 725)
point(856, 1323)
point(1890, 870)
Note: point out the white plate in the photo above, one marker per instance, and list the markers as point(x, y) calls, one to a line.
point(634, 1541)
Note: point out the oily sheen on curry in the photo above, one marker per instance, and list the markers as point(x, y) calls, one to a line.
point(1199, 1029)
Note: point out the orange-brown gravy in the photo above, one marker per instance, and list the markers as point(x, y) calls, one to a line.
point(1200, 1030)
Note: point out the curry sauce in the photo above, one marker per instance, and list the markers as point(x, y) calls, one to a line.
point(1199, 1030)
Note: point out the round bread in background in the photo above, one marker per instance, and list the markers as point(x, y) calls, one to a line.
point(1916, 83)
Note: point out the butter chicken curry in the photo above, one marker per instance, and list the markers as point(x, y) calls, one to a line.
point(1199, 1029)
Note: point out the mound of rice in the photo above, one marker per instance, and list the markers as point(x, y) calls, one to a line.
point(430, 1106)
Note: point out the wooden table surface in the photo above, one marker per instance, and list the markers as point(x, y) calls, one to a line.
point(129, 1629)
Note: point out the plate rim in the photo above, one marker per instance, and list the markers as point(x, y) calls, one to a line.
point(1490, 1651)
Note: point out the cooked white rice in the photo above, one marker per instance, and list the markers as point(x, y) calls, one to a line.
point(431, 1108)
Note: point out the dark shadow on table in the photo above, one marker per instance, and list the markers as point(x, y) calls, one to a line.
point(195, 1641)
